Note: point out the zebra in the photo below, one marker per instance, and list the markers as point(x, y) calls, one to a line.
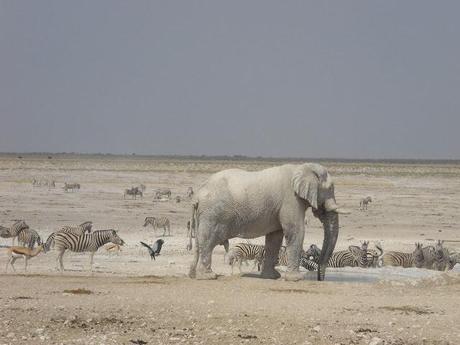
point(75, 230)
point(190, 192)
point(160, 193)
point(85, 243)
point(134, 192)
point(159, 222)
point(405, 260)
point(71, 186)
point(429, 257)
point(178, 200)
point(354, 257)
point(308, 264)
point(16, 228)
point(363, 203)
point(244, 252)
point(374, 258)
point(442, 258)
point(29, 237)
point(4, 232)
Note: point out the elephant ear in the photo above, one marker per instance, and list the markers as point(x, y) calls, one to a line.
point(306, 180)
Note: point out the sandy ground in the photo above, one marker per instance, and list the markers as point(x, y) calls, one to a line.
point(130, 298)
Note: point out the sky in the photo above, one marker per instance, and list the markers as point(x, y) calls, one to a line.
point(318, 79)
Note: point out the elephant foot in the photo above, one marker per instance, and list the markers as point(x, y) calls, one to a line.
point(270, 274)
point(206, 275)
point(294, 276)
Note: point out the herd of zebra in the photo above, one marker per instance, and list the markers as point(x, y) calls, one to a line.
point(435, 257)
point(50, 183)
point(160, 194)
point(74, 238)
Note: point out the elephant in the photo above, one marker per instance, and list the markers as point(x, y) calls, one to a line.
point(271, 203)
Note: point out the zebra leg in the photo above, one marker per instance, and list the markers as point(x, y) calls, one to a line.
point(91, 259)
point(60, 261)
point(273, 242)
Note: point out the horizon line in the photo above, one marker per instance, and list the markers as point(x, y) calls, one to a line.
point(239, 157)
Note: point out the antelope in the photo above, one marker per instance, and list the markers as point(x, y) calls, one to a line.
point(15, 253)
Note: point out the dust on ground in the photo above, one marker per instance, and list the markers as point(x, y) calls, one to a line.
point(131, 299)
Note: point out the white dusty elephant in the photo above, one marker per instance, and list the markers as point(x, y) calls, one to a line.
point(271, 202)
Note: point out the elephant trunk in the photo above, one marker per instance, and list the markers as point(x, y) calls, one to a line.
point(330, 222)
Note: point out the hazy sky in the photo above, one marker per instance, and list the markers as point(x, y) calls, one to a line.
point(345, 79)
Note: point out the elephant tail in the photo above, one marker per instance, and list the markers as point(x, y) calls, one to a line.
point(194, 223)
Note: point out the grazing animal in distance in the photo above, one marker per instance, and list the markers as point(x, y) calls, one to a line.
point(71, 186)
point(159, 222)
point(190, 192)
point(84, 243)
point(16, 252)
point(155, 249)
point(363, 203)
point(134, 192)
point(162, 193)
point(178, 199)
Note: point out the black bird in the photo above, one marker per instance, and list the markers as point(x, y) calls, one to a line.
point(155, 249)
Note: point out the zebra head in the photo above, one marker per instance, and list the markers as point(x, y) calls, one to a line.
point(149, 220)
point(365, 245)
point(86, 226)
point(115, 239)
point(313, 253)
point(418, 255)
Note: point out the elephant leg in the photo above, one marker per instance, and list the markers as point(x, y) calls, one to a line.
point(273, 242)
point(294, 241)
point(207, 242)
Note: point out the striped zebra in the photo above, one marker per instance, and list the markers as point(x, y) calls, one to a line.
point(363, 203)
point(442, 260)
point(159, 222)
point(374, 257)
point(393, 258)
point(29, 237)
point(134, 192)
point(354, 257)
point(4, 232)
point(16, 228)
point(308, 264)
point(85, 243)
point(243, 252)
point(161, 193)
point(75, 230)
point(429, 257)
point(71, 186)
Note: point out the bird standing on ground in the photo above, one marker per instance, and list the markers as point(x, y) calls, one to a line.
point(155, 249)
